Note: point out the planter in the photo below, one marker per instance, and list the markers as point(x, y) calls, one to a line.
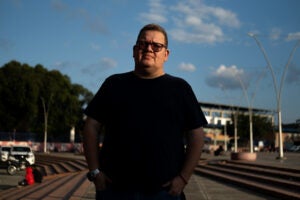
point(243, 156)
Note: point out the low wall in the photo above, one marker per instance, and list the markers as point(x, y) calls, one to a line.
point(243, 156)
point(51, 146)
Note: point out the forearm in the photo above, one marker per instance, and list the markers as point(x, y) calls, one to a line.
point(91, 143)
point(195, 142)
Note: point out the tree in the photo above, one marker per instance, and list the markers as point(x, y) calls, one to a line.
point(262, 129)
point(22, 89)
point(18, 94)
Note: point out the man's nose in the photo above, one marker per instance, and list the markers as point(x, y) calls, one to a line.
point(149, 47)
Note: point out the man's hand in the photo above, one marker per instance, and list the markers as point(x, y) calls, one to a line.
point(176, 186)
point(101, 181)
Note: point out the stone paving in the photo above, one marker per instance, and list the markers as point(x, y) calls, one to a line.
point(202, 188)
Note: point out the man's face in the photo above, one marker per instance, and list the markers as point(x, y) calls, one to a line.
point(150, 53)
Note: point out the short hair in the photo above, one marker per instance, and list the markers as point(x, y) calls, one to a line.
point(154, 27)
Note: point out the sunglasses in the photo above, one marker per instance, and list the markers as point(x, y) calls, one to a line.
point(156, 47)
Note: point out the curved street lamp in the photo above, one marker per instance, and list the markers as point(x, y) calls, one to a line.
point(235, 115)
point(277, 92)
point(46, 111)
point(250, 108)
point(46, 124)
point(250, 112)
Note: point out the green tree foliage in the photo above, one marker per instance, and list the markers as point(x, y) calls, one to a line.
point(23, 89)
point(262, 129)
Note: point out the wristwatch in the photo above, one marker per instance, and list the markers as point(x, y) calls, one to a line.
point(91, 175)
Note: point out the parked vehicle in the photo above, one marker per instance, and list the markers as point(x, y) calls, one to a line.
point(15, 165)
point(16, 158)
point(4, 152)
point(294, 148)
point(17, 153)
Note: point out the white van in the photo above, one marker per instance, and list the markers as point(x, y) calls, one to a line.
point(17, 152)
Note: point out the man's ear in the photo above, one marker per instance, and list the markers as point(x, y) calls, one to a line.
point(167, 53)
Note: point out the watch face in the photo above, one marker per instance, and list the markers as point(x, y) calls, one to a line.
point(92, 174)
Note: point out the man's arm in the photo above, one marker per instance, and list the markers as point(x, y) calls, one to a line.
point(195, 142)
point(91, 132)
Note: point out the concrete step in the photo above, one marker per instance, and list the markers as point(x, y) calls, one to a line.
point(251, 175)
point(250, 180)
point(51, 165)
point(63, 186)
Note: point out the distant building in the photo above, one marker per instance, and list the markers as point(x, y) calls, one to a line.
point(219, 116)
point(291, 134)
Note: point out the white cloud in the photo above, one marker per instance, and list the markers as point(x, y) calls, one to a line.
point(156, 14)
point(275, 33)
point(187, 67)
point(197, 22)
point(153, 17)
point(227, 77)
point(194, 22)
point(208, 33)
point(225, 17)
point(293, 36)
point(228, 72)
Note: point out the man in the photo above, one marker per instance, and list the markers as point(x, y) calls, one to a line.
point(144, 116)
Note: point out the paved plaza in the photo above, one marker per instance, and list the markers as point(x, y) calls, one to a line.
point(199, 187)
point(202, 188)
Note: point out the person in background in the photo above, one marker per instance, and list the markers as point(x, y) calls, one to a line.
point(144, 114)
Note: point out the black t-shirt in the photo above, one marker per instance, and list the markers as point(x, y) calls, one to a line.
point(144, 121)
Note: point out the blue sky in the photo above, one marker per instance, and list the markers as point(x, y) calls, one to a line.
point(89, 40)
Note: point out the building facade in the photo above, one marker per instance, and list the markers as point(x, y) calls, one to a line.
point(219, 116)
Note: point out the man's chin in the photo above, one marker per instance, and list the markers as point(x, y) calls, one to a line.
point(145, 68)
point(146, 64)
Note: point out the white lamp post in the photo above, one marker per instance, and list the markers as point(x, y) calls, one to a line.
point(46, 123)
point(235, 114)
point(235, 131)
point(277, 92)
point(46, 110)
point(250, 113)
